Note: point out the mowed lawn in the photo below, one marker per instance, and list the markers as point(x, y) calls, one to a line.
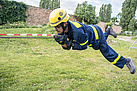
point(42, 65)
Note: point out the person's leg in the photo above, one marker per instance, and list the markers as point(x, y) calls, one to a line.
point(106, 35)
point(115, 58)
point(112, 56)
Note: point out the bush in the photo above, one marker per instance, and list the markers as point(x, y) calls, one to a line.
point(34, 26)
point(135, 33)
point(12, 11)
point(109, 24)
point(44, 24)
point(14, 25)
point(0, 21)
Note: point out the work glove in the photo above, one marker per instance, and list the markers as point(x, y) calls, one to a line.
point(60, 38)
point(68, 43)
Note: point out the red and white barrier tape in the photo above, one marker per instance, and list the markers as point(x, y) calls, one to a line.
point(28, 34)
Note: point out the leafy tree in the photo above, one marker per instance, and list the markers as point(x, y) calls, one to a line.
point(108, 13)
point(128, 13)
point(136, 23)
point(131, 24)
point(105, 13)
point(86, 13)
point(119, 15)
point(49, 4)
point(114, 20)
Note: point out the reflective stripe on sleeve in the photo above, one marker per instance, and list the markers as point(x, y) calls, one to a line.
point(82, 44)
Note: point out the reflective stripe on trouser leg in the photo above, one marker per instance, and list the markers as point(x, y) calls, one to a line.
point(112, 56)
point(115, 61)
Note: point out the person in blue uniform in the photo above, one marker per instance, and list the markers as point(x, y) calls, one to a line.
point(79, 36)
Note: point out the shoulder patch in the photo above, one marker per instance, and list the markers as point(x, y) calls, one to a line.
point(77, 25)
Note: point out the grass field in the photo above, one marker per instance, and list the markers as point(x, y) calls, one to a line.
point(42, 65)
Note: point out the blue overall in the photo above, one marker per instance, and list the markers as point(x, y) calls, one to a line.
point(92, 36)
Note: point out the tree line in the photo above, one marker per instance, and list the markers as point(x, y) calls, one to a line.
point(86, 13)
point(49, 4)
point(12, 11)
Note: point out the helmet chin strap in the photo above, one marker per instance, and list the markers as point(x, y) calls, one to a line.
point(64, 28)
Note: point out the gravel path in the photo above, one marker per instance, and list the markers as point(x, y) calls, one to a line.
point(127, 39)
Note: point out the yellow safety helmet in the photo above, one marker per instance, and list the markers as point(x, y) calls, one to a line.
point(58, 16)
